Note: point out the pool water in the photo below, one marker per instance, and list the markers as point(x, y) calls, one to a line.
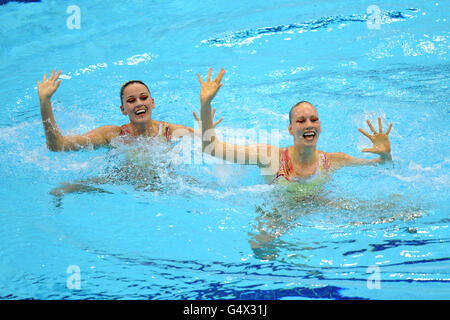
point(169, 223)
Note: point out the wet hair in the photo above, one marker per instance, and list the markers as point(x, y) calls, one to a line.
point(126, 84)
point(296, 105)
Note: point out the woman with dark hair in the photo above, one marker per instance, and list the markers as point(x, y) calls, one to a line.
point(136, 103)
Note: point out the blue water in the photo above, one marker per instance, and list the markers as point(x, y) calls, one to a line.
point(174, 225)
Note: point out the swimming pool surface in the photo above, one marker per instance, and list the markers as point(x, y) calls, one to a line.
point(175, 225)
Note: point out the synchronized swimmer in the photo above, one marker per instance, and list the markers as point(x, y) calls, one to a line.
point(136, 103)
point(300, 163)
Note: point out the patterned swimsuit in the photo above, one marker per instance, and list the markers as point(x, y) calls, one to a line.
point(286, 169)
point(163, 131)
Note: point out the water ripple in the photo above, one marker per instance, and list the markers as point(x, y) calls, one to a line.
point(245, 36)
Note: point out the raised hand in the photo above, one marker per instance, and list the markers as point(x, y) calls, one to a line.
point(210, 88)
point(48, 87)
point(380, 140)
point(200, 121)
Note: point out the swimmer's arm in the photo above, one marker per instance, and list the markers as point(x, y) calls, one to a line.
point(179, 131)
point(339, 160)
point(93, 139)
point(262, 155)
point(198, 133)
point(55, 140)
point(259, 154)
point(256, 154)
point(46, 89)
point(381, 146)
point(208, 91)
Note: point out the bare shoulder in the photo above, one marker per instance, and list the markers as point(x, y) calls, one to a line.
point(109, 129)
point(106, 133)
point(97, 137)
point(177, 130)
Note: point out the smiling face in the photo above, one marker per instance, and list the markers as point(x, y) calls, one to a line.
point(137, 103)
point(305, 125)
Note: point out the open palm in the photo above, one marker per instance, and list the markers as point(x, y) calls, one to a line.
point(210, 88)
point(48, 86)
point(379, 139)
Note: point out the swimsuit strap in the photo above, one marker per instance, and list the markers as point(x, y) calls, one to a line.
point(323, 162)
point(286, 168)
point(164, 127)
point(125, 130)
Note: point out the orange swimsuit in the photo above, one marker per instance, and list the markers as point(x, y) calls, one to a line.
point(286, 169)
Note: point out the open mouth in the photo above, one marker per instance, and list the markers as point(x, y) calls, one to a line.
point(309, 135)
point(140, 112)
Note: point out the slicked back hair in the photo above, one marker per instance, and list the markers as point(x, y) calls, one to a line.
point(296, 105)
point(126, 84)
